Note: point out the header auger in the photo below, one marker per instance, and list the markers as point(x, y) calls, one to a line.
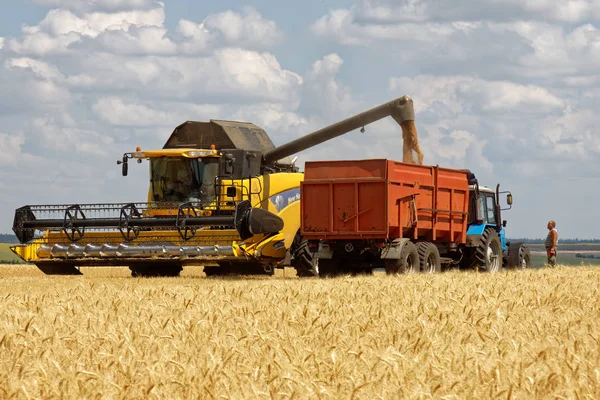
point(220, 193)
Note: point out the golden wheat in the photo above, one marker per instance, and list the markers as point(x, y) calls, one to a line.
point(522, 334)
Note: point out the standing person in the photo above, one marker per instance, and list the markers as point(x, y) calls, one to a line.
point(551, 242)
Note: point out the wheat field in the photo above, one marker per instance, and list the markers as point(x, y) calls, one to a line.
point(512, 335)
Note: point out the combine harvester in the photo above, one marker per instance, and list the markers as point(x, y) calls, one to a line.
point(359, 215)
point(221, 194)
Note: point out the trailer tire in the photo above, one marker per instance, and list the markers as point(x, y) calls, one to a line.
point(488, 255)
point(305, 262)
point(407, 263)
point(429, 258)
point(519, 256)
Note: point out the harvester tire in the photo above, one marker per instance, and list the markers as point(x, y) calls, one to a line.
point(155, 270)
point(407, 263)
point(305, 263)
point(429, 257)
point(519, 256)
point(488, 255)
point(229, 268)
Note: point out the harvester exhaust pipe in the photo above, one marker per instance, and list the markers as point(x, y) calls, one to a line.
point(401, 109)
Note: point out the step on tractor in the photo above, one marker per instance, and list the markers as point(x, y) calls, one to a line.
point(359, 215)
point(220, 195)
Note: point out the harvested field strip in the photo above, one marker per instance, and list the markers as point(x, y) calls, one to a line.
point(523, 334)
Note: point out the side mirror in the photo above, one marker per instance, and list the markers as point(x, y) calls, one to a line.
point(231, 192)
point(509, 199)
point(229, 160)
point(124, 168)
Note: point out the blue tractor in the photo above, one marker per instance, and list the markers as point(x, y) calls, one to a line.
point(487, 247)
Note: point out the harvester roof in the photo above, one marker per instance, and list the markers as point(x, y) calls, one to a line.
point(223, 134)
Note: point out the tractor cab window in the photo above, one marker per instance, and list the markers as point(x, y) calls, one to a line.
point(487, 204)
point(490, 208)
point(179, 179)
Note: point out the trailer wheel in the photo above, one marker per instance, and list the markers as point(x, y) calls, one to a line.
point(429, 257)
point(407, 263)
point(519, 256)
point(305, 263)
point(488, 255)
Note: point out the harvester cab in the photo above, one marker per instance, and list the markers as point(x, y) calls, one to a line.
point(220, 195)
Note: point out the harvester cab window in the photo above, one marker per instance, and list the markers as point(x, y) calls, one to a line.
point(183, 179)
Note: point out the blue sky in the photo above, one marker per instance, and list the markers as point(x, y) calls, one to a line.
point(508, 89)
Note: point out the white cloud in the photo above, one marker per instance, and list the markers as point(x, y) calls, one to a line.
point(482, 96)
point(41, 69)
point(333, 98)
point(341, 25)
point(62, 22)
point(472, 10)
point(10, 148)
point(247, 30)
point(118, 112)
point(103, 5)
point(556, 50)
point(1, 42)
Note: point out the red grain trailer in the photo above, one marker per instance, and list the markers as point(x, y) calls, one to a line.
point(359, 213)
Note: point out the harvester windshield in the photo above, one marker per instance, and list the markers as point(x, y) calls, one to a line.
point(178, 179)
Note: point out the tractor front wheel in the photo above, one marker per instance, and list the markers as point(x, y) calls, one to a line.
point(488, 255)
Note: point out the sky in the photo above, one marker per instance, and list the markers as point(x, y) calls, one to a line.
point(505, 88)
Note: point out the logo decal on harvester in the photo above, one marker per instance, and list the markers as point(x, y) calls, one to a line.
point(284, 199)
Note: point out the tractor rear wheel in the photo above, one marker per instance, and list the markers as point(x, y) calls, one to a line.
point(519, 256)
point(305, 262)
point(488, 255)
point(407, 263)
point(429, 257)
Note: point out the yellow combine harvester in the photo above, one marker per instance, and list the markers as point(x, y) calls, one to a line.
point(221, 194)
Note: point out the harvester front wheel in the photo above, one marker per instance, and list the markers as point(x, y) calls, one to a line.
point(429, 257)
point(305, 262)
point(488, 255)
point(155, 270)
point(407, 263)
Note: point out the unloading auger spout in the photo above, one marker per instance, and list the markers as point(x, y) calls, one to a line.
point(401, 109)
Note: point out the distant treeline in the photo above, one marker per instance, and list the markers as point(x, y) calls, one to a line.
point(8, 238)
point(561, 241)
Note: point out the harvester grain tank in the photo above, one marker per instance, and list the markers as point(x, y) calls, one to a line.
point(220, 193)
point(358, 215)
